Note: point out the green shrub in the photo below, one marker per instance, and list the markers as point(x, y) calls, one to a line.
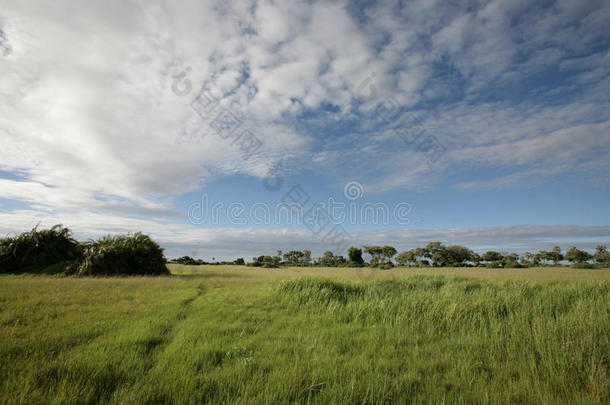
point(135, 254)
point(514, 265)
point(36, 250)
point(584, 266)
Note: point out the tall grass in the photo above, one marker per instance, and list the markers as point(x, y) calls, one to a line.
point(223, 338)
point(134, 254)
point(36, 250)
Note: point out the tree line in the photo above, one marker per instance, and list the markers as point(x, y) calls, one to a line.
point(434, 254)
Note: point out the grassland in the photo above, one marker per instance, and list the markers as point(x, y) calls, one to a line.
point(235, 334)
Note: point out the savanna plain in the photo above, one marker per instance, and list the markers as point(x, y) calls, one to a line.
point(234, 334)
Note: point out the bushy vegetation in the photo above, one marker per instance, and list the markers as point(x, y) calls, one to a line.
point(36, 250)
point(54, 251)
point(134, 254)
point(268, 262)
point(584, 265)
point(189, 261)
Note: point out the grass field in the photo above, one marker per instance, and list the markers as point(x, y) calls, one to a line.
point(235, 334)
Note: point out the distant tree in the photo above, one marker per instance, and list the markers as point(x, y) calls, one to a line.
point(388, 252)
point(421, 255)
point(575, 255)
point(476, 258)
point(556, 255)
point(438, 253)
point(265, 261)
point(306, 259)
point(340, 261)
point(327, 259)
point(602, 256)
point(187, 260)
point(458, 255)
point(492, 256)
point(355, 255)
point(527, 258)
point(330, 260)
point(376, 253)
point(406, 258)
point(294, 258)
point(240, 261)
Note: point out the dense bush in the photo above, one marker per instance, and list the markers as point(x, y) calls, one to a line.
point(135, 254)
point(268, 262)
point(514, 265)
point(584, 265)
point(187, 260)
point(36, 250)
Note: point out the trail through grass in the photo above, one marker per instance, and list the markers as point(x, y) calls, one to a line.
point(223, 337)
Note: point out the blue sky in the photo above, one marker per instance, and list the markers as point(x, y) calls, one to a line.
point(487, 122)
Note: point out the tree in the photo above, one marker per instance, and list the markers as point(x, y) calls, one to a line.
point(376, 253)
point(388, 252)
point(602, 256)
point(476, 258)
point(294, 258)
point(527, 258)
point(421, 255)
point(492, 256)
point(406, 258)
point(240, 261)
point(459, 255)
point(575, 255)
point(555, 256)
point(437, 252)
point(265, 261)
point(327, 260)
point(306, 260)
point(355, 255)
point(330, 260)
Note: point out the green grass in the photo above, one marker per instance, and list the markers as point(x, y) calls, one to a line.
point(223, 334)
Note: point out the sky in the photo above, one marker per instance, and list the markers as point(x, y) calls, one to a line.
point(234, 129)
